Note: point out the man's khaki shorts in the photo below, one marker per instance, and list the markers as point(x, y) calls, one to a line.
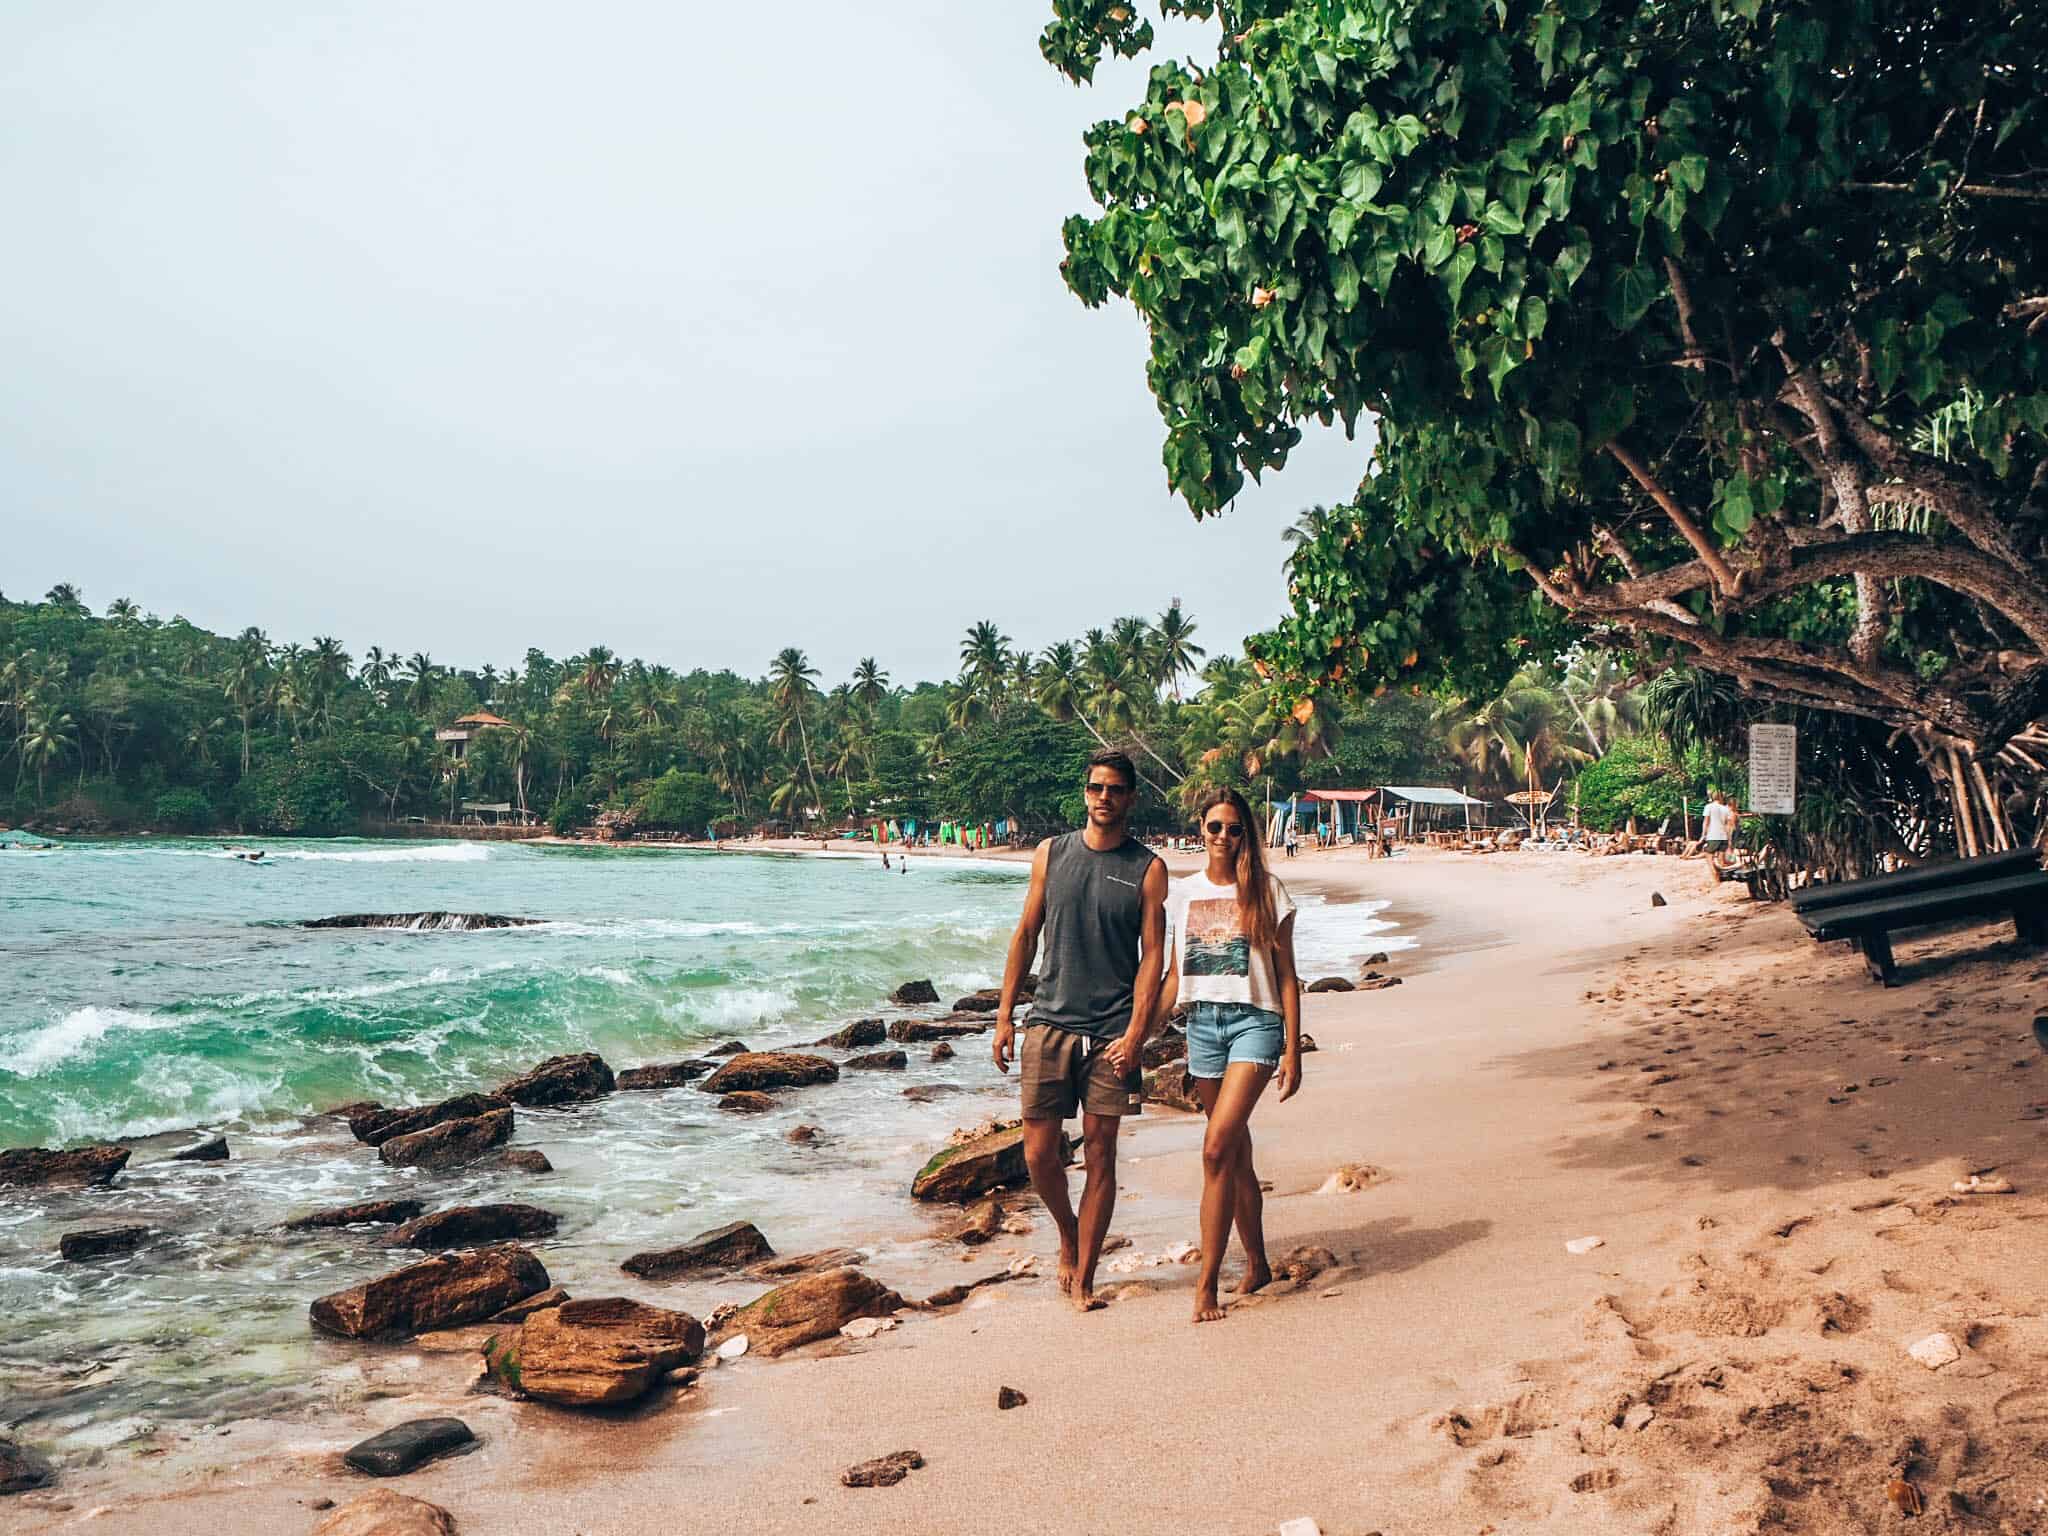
point(1064, 1072)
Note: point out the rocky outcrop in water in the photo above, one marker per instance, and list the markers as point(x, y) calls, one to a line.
point(987, 1000)
point(362, 1214)
point(959, 1173)
point(914, 994)
point(22, 1469)
point(468, 1226)
point(763, 1071)
point(101, 1242)
point(448, 1291)
point(384, 1513)
point(422, 922)
point(726, 1247)
point(730, 1048)
point(858, 1035)
point(449, 1144)
point(525, 1160)
point(214, 1151)
point(912, 1031)
point(598, 1353)
point(520, 1311)
point(878, 1061)
point(806, 1310)
point(747, 1102)
point(673, 1074)
point(405, 1446)
point(377, 1125)
point(36, 1167)
point(561, 1080)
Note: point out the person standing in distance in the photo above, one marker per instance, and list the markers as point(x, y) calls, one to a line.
point(1098, 898)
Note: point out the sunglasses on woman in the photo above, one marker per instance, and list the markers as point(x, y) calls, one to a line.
point(1230, 829)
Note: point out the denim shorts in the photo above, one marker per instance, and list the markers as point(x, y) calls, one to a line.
point(1220, 1033)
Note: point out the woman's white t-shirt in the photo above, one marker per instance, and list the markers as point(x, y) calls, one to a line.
point(1218, 962)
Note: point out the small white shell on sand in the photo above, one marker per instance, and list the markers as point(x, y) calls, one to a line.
point(733, 1347)
point(1584, 1244)
point(1935, 1351)
point(868, 1327)
point(1028, 1265)
point(1301, 1526)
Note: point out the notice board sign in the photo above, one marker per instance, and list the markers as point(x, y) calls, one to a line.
point(1773, 768)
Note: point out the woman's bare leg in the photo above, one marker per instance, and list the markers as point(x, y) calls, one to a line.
point(1229, 1103)
point(1248, 1211)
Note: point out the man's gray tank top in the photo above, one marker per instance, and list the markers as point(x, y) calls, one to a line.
point(1094, 925)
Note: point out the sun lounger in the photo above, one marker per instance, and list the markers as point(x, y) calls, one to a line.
point(1868, 912)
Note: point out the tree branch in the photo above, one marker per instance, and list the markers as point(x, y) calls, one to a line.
point(2015, 194)
point(1728, 581)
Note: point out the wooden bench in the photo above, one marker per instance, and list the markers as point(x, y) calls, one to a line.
point(1868, 912)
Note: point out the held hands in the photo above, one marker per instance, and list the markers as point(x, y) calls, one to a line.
point(1006, 1035)
point(1124, 1053)
point(1289, 1076)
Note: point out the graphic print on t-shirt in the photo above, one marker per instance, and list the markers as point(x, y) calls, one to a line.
point(1216, 944)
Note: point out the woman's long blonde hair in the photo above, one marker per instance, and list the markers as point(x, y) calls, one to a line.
point(1255, 914)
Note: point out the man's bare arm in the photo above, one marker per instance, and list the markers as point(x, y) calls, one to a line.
point(1023, 950)
point(1125, 1053)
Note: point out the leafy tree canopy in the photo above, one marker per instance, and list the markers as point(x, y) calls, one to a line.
point(1716, 329)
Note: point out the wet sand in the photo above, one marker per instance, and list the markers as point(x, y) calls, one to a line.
point(1763, 1139)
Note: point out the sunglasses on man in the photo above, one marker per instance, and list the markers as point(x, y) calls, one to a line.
point(1098, 787)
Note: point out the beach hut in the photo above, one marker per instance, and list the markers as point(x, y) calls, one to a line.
point(1433, 805)
point(458, 736)
point(1350, 810)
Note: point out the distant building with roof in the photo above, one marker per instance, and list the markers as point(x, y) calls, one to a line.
point(458, 736)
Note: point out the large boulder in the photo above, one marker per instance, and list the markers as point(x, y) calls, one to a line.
point(878, 1061)
point(101, 1242)
point(764, 1071)
point(404, 1446)
point(987, 1000)
point(814, 1307)
point(858, 1035)
point(597, 1353)
point(469, 1226)
point(562, 1080)
point(1174, 1086)
point(214, 1151)
point(967, 1169)
point(747, 1102)
point(911, 1031)
point(1167, 1045)
point(32, 1167)
point(22, 1469)
point(449, 1144)
point(914, 994)
point(363, 1213)
point(725, 1247)
point(668, 1074)
point(377, 1125)
point(382, 1512)
point(450, 1290)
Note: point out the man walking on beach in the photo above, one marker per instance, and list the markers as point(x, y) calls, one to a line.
point(1099, 898)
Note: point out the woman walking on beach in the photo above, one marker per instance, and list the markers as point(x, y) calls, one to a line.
point(1232, 961)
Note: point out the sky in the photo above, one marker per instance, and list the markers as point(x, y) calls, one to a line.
point(466, 327)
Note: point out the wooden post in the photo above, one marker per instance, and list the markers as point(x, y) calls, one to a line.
point(1685, 817)
point(1994, 813)
point(1959, 792)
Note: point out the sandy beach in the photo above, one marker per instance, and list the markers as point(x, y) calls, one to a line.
point(1763, 1140)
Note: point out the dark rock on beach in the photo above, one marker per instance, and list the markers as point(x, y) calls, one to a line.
point(469, 1226)
point(746, 1103)
point(913, 1031)
point(599, 1353)
point(405, 1446)
point(726, 1247)
point(959, 1173)
point(672, 1074)
point(1173, 1086)
point(101, 1242)
point(525, 1160)
point(788, 1264)
point(561, 1080)
point(761, 1071)
point(377, 1125)
point(806, 1310)
point(34, 1167)
point(943, 1051)
point(22, 1469)
point(803, 1135)
point(983, 1222)
point(422, 922)
point(914, 994)
point(858, 1035)
point(363, 1213)
point(1010, 1397)
point(450, 1290)
point(386, 1513)
point(924, 1093)
point(520, 1311)
point(878, 1061)
point(1167, 1045)
point(214, 1151)
point(1331, 984)
point(449, 1144)
point(883, 1471)
point(730, 1048)
point(987, 1000)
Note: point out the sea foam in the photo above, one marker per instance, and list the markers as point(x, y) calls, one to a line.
point(73, 1035)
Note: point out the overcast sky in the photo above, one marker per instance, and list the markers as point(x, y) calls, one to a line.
point(693, 331)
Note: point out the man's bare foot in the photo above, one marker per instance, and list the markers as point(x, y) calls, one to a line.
point(1256, 1278)
point(1064, 1277)
point(1206, 1309)
point(1085, 1299)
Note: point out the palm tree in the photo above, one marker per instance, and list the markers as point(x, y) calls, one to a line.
point(248, 685)
point(65, 595)
point(870, 685)
point(984, 658)
point(1056, 684)
point(420, 673)
point(329, 665)
point(600, 670)
point(123, 611)
point(376, 670)
point(46, 739)
point(1173, 643)
point(793, 680)
point(1308, 529)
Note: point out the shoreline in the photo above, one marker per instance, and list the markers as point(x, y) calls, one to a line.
point(1568, 1060)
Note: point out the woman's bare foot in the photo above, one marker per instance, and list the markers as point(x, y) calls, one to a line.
point(1206, 1309)
point(1085, 1299)
point(1256, 1277)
